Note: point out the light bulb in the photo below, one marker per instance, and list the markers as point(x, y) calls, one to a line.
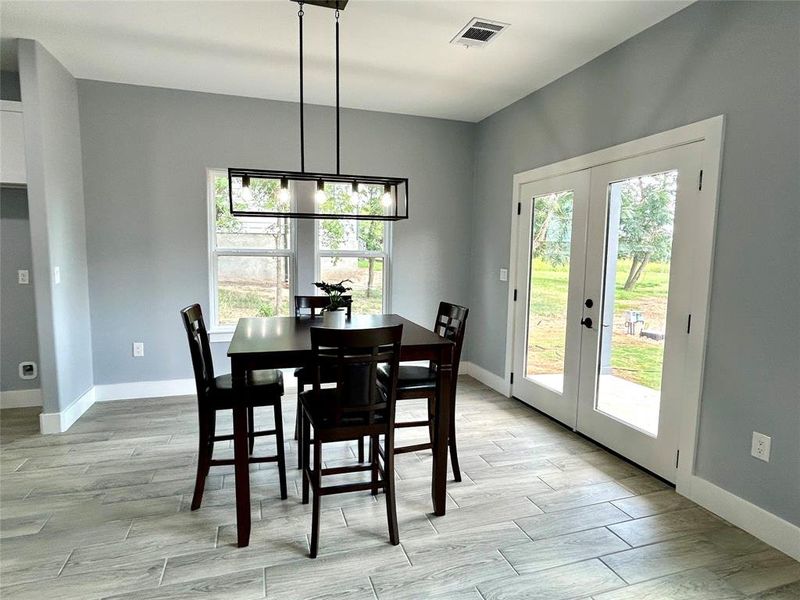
point(354, 191)
point(247, 195)
point(283, 194)
point(320, 196)
point(386, 198)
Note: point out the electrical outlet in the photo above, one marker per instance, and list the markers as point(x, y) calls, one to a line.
point(761, 446)
point(57, 275)
point(138, 349)
point(23, 277)
point(503, 274)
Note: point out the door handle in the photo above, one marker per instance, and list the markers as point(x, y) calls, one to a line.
point(587, 322)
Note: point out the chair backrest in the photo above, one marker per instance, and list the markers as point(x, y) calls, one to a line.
point(451, 323)
point(313, 305)
point(200, 349)
point(354, 355)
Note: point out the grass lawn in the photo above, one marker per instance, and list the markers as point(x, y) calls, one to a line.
point(633, 358)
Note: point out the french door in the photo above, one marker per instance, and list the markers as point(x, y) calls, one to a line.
point(603, 283)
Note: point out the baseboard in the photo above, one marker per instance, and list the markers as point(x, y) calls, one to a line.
point(133, 390)
point(766, 526)
point(20, 398)
point(495, 382)
point(59, 422)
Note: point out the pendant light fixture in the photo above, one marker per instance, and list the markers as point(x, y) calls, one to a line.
point(304, 195)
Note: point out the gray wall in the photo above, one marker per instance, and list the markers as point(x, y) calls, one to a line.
point(738, 59)
point(17, 311)
point(58, 234)
point(145, 152)
point(9, 86)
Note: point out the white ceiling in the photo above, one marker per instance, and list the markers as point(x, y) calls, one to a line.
point(395, 55)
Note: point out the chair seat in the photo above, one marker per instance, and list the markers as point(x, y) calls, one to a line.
point(318, 409)
point(411, 377)
point(266, 382)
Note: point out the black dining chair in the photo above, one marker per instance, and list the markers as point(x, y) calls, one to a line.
point(309, 306)
point(357, 406)
point(263, 388)
point(417, 382)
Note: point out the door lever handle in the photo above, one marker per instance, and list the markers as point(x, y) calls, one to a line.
point(587, 322)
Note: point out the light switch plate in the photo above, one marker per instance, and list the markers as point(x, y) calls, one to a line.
point(57, 275)
point(503, 274)
point(138, 349)
point(23, 277)
point(762, 444)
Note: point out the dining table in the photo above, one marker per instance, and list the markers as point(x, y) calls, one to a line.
point(285, 342)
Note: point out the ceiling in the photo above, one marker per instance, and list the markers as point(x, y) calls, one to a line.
point(395, 55)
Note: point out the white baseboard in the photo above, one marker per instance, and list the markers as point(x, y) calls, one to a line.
point(766, 526)
point(20, 398)
point(133, 390)
point(495, 382)
point(59, 422)
point(144, 389)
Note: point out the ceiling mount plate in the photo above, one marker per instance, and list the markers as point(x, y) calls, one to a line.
point(334, 4)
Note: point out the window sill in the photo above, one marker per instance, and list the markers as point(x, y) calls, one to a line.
point(220, 335)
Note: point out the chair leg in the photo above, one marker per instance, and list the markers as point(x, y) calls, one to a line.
point(391, 507)
point(297, 413)
point(251, 428)
point(373, 457)
point(279, 444)
point(305, 438)
point(317, 497)
point(451, 442)
point(204, 450)
point(361, 449)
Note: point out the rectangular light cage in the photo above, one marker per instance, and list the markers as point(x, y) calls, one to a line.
point(258, 193)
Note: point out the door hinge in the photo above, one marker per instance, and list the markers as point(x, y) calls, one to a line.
point(677, 458)
point(515, 295)
point(700, 183)
point(689, 324)
point(519, 208)
point(512, 377)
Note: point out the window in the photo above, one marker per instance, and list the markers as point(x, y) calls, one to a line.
point(252, 258)
point(355, 249)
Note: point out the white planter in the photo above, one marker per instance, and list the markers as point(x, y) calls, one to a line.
point(335, 319)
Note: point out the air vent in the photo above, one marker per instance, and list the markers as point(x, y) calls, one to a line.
point(479, 32)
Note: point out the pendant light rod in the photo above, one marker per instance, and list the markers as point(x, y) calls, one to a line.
point(302, 122)
point(338, 144)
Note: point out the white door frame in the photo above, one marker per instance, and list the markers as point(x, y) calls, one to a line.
point(710, 133)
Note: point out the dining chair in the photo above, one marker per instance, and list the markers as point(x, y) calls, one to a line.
point(357, 406)
point(308, 306)
point(417, 382)
point(215, 393)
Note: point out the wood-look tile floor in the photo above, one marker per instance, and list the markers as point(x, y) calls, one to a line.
point(103, 512)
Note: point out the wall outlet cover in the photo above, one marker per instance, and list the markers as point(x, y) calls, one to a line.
point(57, 275)
point(761, 446)
point(28, 370)
point(503, 274)
point(23, 277)
point(138, 349)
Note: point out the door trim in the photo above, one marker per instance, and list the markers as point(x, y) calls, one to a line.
point(710, 132)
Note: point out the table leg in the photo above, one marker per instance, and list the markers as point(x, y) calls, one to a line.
point(241, 463)
point(441, 428)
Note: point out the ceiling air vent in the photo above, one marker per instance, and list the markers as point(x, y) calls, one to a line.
point(479, 32)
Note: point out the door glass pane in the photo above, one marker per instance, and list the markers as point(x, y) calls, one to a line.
point(551, 234)
point(366, 279)
point(252, 286)
point(641, 215)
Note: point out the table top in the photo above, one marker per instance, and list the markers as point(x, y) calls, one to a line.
point(291, 335)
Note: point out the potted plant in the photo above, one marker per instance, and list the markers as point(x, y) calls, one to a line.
point(334, 314)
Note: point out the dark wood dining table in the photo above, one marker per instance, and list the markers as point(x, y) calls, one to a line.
point(285, 342)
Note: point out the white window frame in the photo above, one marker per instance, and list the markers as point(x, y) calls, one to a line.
point(386, 256)
point(221, 333)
